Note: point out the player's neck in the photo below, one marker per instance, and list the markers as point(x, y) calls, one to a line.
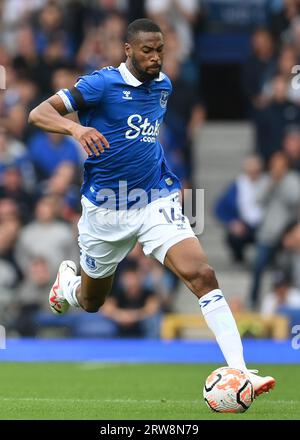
point(133, 71)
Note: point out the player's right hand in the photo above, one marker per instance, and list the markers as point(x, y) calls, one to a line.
point(90, 139)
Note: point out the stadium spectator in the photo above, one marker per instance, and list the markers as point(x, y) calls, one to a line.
point(281, 20)
point(53, 59)
point(237, 208)
point(45, 236)
point(26, 61)
point(132, 309)
point(12, 187)
point(160, 280)
point(10, 227)
point(286, 61)
point(257, 68)
point(283, 300)
point(291, 244)
point(48, 150)
point(101, 9)
point(279, 196)
point(291, 146)
point(91, 52)
point(186, 114)
point(49, 27)
point(292, 35)
point(113, 53)
point(16, 11)
point(61, 184)
point(180, 14)
point(32, 297)
point(13, 153)
point(274, 119)
point(62, 78)
point(15, 122)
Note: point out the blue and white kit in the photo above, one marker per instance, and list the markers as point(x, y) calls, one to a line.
point(131, 176)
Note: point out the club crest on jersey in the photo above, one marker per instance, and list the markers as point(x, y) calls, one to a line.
point(164, 98)
point(169, 181)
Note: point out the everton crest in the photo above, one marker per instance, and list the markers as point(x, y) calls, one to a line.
point(90, 262)
point(164, 98)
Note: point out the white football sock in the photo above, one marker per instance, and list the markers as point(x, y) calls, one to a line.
point(220, 320)
point(69, 288)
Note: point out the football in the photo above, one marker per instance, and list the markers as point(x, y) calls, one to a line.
point(228, 390)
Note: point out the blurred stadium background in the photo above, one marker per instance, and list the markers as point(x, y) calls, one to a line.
point(232, 128)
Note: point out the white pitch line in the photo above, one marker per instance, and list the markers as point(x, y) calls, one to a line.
point(125, 401)
point(283, 401)
point(133, 401)
point(97, 366)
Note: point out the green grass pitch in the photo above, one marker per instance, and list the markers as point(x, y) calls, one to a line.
point(125, 392)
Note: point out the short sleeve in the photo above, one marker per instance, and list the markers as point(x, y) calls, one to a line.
point(87, 92)
point(91, 88)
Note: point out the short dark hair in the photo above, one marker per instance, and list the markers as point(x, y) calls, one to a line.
point(140, 25)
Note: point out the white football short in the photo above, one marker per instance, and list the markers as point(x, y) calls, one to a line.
point(106, 236)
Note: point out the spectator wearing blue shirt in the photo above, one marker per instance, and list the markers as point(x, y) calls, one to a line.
point(238, 210)
point(48, 150)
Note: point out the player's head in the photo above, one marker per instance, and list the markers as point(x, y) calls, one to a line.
point(144, 48)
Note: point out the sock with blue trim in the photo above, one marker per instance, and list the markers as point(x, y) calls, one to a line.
point(70, 289)
point(220, 320)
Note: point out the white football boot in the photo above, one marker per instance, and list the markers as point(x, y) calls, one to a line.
point(58, 304)
point(261, 384)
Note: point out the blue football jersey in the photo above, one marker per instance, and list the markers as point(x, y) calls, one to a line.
point(129, 114)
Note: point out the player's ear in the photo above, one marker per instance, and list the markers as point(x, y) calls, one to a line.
point(128, 50)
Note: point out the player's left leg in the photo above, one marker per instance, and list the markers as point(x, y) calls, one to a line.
point(166, 234)
point(188, 261)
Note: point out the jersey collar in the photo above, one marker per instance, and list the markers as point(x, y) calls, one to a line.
point(130, 79)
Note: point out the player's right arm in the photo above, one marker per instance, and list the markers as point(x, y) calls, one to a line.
point(49, 116)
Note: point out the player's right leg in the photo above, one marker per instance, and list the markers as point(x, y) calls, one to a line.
point(77, 291)
point(57, 301)
point(104, 239)
point(92, 292)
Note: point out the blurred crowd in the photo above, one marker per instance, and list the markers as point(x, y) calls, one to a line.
point(261, 207)
point(45, 45)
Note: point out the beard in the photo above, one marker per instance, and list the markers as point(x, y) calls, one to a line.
point(143, 74)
